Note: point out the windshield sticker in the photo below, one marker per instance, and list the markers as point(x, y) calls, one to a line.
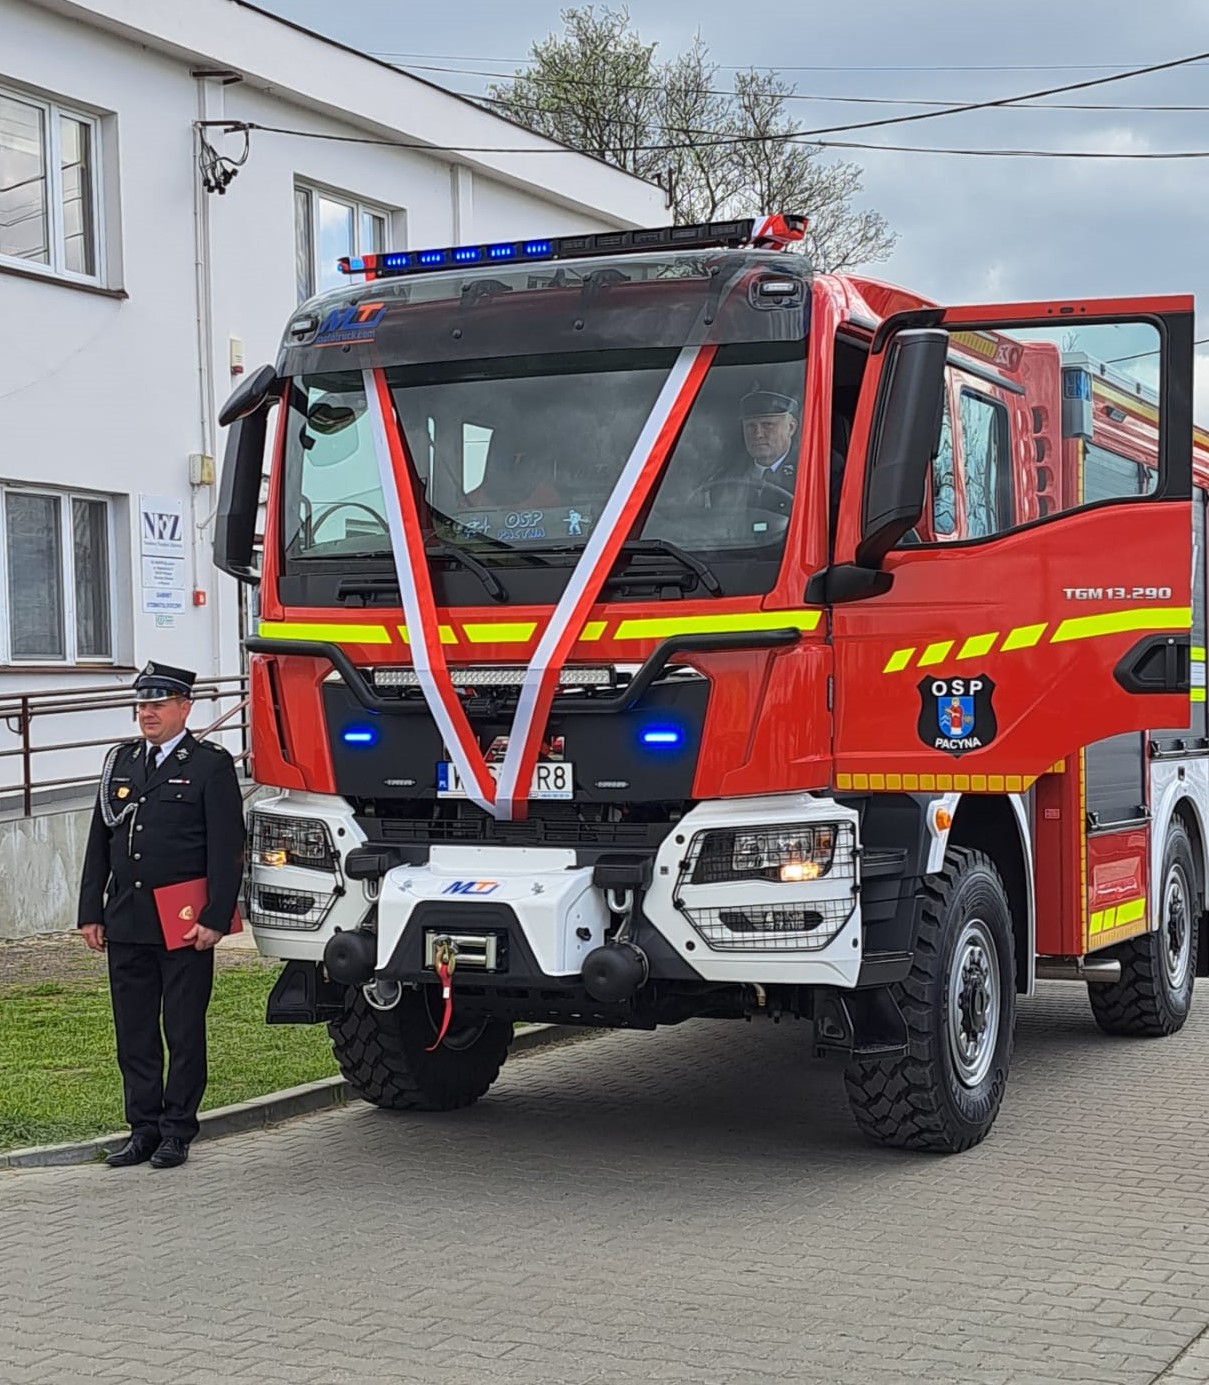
point(354, 322)
point(957, 714)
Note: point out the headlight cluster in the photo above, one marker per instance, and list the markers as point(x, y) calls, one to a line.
point(288, 841)
point(282, 843)
point(789, 854)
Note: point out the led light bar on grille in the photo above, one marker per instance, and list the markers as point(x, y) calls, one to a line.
point(770, 230)
point(487, 677)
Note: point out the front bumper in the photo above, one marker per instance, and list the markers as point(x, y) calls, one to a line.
point(528, 917)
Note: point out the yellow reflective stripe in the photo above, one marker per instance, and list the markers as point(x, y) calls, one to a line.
point(1120, 622)
point(594, 630)
point(935, 653)
point(1119, 916)
point(1024, 637)
point(343, 633)
point(978, 645)
point(1197, 695)
point(503, 632)
point(898, 660)
point(1198, 654)
point(448, 634)
point(934, 783)
point(662, 628)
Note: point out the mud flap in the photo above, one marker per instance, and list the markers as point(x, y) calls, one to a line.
point(303, 994)
point(859, 1024)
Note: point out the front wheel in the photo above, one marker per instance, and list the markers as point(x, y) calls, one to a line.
point(383, 1054)
point(1154, 995)
point(959, 1002)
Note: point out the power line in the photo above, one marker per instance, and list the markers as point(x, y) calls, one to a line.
point(785, 67)
point(237, 127)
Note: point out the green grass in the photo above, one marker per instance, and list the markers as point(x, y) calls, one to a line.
point(59, 1077)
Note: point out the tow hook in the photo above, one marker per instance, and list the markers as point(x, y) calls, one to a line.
point(444, 960)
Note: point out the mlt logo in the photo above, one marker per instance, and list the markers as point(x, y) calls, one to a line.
point(352, 323)
point(471, 887)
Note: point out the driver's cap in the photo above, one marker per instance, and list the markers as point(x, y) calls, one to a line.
point(760, 403)
point(159, 682)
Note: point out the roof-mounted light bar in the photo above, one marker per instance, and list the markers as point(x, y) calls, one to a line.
point(775, 232)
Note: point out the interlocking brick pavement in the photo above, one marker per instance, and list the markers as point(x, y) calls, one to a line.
point(687, 1206)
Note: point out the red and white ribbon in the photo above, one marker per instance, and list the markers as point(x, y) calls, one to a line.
point(634, 486)
point(415, 587)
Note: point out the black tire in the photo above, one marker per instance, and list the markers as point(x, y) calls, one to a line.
point(1154, 995)
point(382, 1054)
point(944, 1094)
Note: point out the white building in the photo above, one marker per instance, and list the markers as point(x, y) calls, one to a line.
point(130, 296)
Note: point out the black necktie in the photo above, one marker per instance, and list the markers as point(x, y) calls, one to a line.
point(153, 756)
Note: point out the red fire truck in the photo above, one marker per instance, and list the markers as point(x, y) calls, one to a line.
point(652, 628)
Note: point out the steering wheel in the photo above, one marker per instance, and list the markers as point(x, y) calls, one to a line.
point(752, 488)
point(324, 515)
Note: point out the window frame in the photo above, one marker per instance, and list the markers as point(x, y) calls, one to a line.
point(359, 208)
point(71, 656)
point(1003, 448)
point(56, 268)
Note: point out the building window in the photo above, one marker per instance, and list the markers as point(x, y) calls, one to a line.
point(49, 187)
point(328, 227)
point(56, 596)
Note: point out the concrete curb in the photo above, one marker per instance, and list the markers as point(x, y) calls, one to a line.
point(264, 1111)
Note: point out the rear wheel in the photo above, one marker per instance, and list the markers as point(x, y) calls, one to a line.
point(383, 1054)
point(959, 1002)
point(1154, 995)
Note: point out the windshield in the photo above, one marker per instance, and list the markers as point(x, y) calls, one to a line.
point(518, 456)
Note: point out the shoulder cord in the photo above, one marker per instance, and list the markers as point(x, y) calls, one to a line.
point(108, 816)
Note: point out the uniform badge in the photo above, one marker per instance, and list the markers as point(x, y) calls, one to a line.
point(123, 792)
point(186, 913)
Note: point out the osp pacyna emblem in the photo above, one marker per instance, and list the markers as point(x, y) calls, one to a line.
point(958, 714)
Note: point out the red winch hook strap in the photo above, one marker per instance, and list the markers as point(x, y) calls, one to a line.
point(445, 972)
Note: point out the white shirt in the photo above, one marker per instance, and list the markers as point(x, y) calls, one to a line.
point(164, 750)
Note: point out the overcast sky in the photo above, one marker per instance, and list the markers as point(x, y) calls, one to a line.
point(970, 229)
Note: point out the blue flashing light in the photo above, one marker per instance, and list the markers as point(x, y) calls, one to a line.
point(396, 261)
point(501, 252)
point(466, 254)
point(1076, 384)
point(360, 735)
point(356, 266)
point(427, 257)
point(538, 247)
point(662, 736)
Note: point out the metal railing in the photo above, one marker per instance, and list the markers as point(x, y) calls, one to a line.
point(22, 712)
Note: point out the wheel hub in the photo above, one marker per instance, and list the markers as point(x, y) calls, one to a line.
point(1176, 933)
point(973, 1004)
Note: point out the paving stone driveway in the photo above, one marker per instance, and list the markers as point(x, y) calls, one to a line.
point(688, 1206)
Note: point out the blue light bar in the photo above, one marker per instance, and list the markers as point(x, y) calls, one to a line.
point(360, 735)
point(703, 235)
point(662, 736)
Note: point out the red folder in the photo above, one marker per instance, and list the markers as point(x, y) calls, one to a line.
point(180, 908)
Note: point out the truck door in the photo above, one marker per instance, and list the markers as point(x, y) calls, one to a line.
point(1041, 600)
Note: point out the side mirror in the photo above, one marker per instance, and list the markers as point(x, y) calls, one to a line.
point(247, 415)
point(906, 437)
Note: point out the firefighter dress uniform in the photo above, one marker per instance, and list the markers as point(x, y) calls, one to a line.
point(154, 824)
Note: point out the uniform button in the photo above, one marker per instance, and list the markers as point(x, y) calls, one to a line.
point(142, 800)
point(139, 827)
point(138, 884)
point(137, 857)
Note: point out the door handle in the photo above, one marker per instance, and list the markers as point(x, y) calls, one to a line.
point(1157, 664)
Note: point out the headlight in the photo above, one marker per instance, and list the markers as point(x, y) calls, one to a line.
point(792, 853)
point(288, 841)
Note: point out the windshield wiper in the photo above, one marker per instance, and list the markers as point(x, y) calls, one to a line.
point(451, 554)
point(703, 572)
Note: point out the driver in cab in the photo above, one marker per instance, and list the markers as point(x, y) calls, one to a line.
point(770, 426)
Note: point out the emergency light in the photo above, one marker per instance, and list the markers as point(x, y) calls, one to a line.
point(767, 232)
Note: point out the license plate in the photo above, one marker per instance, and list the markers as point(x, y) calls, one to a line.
point(552, 779)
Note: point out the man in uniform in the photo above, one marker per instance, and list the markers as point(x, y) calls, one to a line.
point(169, 811)
point(770, 425)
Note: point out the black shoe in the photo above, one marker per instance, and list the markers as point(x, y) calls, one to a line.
point(170, 1154)
point(134, 1151)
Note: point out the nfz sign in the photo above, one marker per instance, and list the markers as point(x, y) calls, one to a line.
point(161, 527)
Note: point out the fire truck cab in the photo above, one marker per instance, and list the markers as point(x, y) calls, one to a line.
point(652, 628)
